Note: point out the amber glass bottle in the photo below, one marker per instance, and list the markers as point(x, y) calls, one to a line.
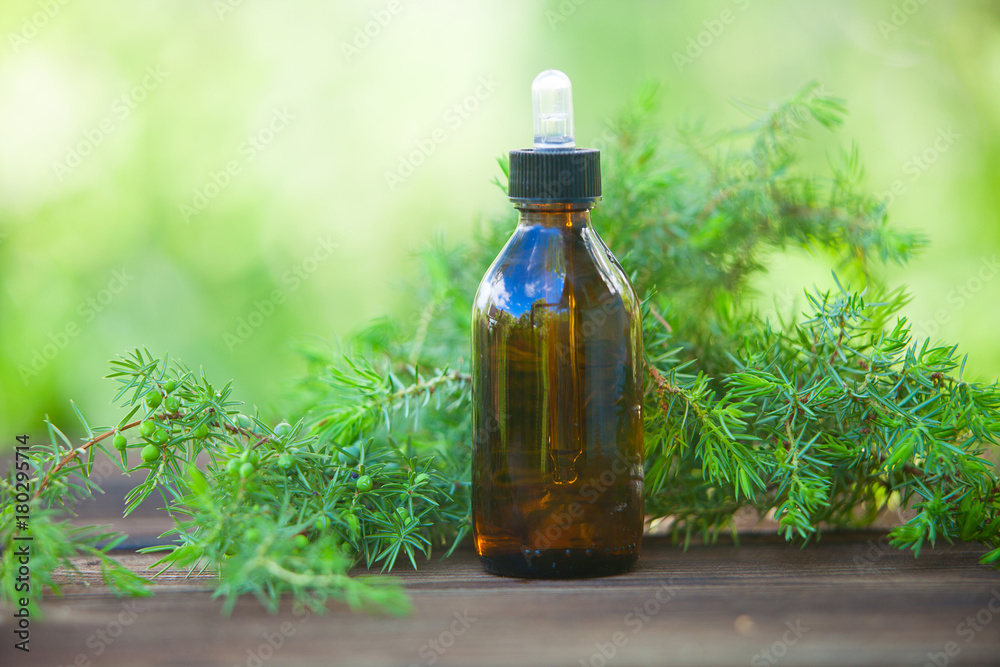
point(557, 381)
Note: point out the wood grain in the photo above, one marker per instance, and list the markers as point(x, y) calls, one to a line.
point(846, 601)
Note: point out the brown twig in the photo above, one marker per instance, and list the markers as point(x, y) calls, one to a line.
point(663, 387)
point(77, 451)
point(64, 461)
point(415, 389)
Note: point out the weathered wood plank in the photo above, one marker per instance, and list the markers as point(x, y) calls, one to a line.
point(844, 602)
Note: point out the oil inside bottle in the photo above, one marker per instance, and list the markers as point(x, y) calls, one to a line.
point(557, 384)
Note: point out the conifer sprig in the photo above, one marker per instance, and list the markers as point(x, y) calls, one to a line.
point(823, 420)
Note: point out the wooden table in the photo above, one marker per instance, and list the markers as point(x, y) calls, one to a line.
point(849, 600)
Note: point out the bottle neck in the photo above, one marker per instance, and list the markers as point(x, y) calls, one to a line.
point(559, 214)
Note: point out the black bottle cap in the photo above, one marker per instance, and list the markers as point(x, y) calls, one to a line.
point(553, 175)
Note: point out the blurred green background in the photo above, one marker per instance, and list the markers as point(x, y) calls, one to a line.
point(221, 179)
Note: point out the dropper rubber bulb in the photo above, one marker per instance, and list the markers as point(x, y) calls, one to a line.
point(552, 105)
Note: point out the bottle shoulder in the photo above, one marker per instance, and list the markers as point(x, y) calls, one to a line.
point(556, 267)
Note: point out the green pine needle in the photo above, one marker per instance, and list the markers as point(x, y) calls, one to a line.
point(823, 421)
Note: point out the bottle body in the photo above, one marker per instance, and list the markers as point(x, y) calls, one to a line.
point(557, 403)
